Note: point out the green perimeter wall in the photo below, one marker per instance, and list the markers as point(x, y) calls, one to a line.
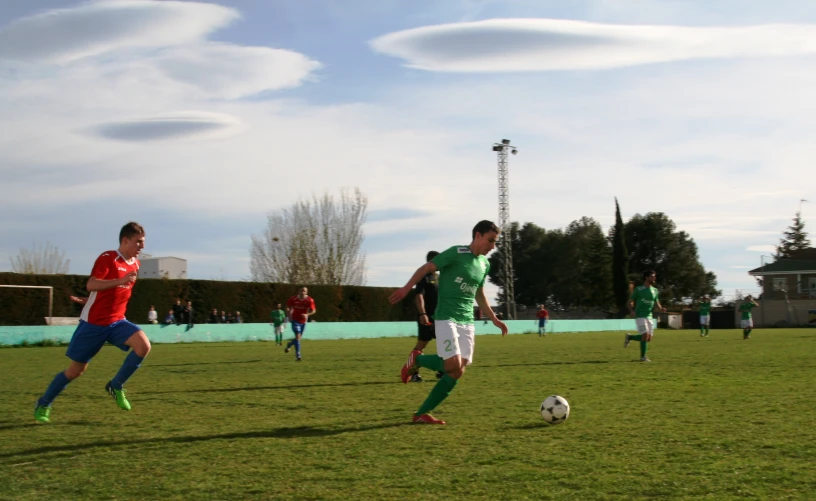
point(15, 335)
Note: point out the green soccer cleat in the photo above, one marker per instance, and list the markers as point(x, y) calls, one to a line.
point(119, 396)
point(42, 413)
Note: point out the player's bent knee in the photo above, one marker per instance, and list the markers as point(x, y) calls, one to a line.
point(457, 373)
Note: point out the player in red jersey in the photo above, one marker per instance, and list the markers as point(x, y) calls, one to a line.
point(543, 315)
point(103, 320)
point(300, 307)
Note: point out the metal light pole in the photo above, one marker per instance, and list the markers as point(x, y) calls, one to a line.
point(505, 242)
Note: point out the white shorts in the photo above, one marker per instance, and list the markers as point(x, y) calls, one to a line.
point(279, 329)
point(705, 319)
point(747, 324)
point(645, 326)
point(455, 339)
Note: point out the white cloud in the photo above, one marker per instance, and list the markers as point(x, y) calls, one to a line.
point(761, 248)
point(499, 45)
point(231, 71)
point(99, 27)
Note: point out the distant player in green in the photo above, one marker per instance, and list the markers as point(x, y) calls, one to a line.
point(462, 273)
point(641, 304)
point(747, 322)
point(278, 317)
point(705, 315)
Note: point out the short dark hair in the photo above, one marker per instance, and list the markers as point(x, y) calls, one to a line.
point(131, 230)
point(483, 227)
point(648, 273)
point(431, 255)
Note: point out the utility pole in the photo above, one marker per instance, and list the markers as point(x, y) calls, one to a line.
point(505, 242)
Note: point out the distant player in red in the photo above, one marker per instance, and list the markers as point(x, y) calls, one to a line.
point(299, 307)
point(543, 315)
point(103, 321)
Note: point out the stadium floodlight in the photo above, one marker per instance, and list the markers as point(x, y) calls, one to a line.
point(504, 245)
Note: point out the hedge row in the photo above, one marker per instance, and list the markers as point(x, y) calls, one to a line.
point(254, 300)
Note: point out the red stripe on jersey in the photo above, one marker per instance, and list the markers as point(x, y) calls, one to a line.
point(300, 307)
point(108, 306)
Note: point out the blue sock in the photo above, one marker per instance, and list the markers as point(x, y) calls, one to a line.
point(297, 347)
point(54, 389)
point(129, 366)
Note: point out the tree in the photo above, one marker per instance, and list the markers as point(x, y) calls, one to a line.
point(620, 264)
point(654, 244)
point(47, 260)
point(796, 239)
point(561, 268)
point(313, 242)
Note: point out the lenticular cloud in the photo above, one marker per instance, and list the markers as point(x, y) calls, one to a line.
point(185, 125)
point(499, 45)
point(64, 35)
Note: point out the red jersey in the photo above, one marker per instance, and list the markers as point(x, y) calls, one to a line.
point(108, 306)
point(300, 307)
point(543, 314)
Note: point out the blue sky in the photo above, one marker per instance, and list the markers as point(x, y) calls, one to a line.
point(197, 119)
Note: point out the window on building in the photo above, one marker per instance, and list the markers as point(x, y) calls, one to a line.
point(780, 284)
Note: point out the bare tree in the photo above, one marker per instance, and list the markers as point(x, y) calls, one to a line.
point(315, 242)
point(47, 260)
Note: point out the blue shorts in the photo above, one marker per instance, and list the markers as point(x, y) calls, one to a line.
point(298, 328)
point(542, 322)
point(88, 339)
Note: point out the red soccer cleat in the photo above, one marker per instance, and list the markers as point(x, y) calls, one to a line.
point(427, 419)
point(409, 369)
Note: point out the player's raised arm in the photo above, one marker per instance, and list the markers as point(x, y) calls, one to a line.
point(403, 291)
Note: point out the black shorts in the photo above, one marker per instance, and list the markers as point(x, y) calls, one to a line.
point(426, 332)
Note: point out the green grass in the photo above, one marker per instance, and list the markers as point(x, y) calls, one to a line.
point(709, 418)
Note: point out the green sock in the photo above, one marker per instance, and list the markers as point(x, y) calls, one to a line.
point(706, 332)
point(702, 329)
point(433, 362)
point(440, 392)
point(643, 347)
point(635, 337)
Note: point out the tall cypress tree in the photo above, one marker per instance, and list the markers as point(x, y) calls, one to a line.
point(796, 238)
point(620, 264)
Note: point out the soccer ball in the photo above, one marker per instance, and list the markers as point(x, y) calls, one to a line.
point(555, 409)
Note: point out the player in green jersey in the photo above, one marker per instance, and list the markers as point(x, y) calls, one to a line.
point(278, 317)
point(747, 322)
point(641, 303)
point(462, 273)
point(705, 315)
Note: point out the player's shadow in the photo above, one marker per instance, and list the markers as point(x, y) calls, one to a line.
point(11, 426)
point(536, 364)
point(281, 433)
point(204, 363)
point(266, 388)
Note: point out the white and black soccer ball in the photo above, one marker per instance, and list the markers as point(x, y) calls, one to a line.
point(555, 409)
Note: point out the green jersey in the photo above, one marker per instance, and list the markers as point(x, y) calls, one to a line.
point(745, 309)
point(278, 316)
point(645, 299)
point(461, 274)
point(705, 309)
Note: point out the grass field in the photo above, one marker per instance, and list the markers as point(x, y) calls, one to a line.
point(709, 418)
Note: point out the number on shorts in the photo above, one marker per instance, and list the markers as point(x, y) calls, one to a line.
point(448, 345)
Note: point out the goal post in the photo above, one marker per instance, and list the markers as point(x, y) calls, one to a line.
point(50, 295)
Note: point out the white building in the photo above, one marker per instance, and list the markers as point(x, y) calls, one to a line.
point(163, 267)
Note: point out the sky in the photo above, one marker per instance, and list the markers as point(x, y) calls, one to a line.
point(199, 119)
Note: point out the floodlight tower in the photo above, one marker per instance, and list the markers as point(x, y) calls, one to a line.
point(505, 242)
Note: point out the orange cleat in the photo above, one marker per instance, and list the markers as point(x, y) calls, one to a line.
point(427, 419)
point(410, 368)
